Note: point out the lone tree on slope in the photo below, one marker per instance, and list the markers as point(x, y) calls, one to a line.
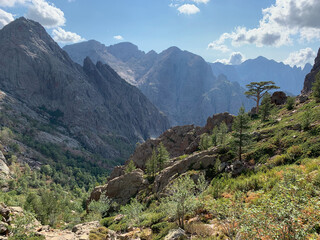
point(257, 90)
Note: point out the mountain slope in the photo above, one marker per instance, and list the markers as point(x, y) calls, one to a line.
point(310, 78)
point(97, 107)
point(289, 79)
point(179, 83)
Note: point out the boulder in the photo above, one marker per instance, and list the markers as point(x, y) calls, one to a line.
point(176, 234)
point(3, 166)
point(196, 161)
point(279, 98)
point(121, 189)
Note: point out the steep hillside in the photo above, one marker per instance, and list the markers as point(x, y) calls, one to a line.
point(179, 83)
point(98, 108)
point(263, 69)
point(276, 182)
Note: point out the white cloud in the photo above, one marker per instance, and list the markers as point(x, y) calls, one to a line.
point(5, 18)
point(301, 57)
point(118, 37)
point(188, 9)
point(46, 14)
point(201, 1)
point(10, 3)
point(62, 36)
point(236, 58)
point(280, 23)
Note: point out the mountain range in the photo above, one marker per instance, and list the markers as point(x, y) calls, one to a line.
point(92, 103)
point(289, 79)
point(179, 83)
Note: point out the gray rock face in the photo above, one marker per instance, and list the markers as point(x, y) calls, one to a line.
point(121, 189)
point(176, 234)
point(178, 140)
point(310, 78)
point(179, 83)
point(99, 108)
point(4, 170)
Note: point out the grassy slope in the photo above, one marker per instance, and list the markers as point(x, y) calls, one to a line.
point(277, 198)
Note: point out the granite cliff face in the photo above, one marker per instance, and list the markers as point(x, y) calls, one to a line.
point(310, 78)
point(179, 83)
point(98, 107)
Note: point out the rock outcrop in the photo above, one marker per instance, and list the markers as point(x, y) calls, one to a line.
point(279, 98)
point(310, 78)
point(4, 170)
point(121, 189)
point(101, 110)
point(196, 161)
point(178, 140)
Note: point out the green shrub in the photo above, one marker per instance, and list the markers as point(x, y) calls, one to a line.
point(290, 103)
point(107, 221)
point(294, 152)
point(278, 160)
point(151, 218)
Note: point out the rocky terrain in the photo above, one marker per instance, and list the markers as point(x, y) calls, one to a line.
point(263, 69)
point(179, 83)
point(92, 103)
point(310, 78)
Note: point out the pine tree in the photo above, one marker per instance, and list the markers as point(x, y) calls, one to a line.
point(130, 167)
point(162, 157)
point(222, 132)
point(257, 90)
point(240, 126)
point(214, 136)
point(152, 164)
point(265, 107)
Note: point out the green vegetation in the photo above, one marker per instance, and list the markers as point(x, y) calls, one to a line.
point(157, 161)
point(266, 107)
point(290, 103)
point(130, 167)
point(276, 197)
point(256, 90)
point(316, 88)
point(240, 127)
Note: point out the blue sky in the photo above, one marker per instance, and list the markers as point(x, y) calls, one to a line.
point(284, 30)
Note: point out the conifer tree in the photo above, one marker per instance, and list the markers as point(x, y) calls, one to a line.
point(152, 164)
point(162, 157)
point(257, 90)
point(265, 107)
point(240, 127)
point(223, 130)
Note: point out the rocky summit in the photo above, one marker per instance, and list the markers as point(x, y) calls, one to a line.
point(181, 84)
point(95, 105)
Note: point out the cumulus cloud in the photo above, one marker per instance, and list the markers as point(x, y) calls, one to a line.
point(5, 18)
point(236, 58)
point(10, 3)
point(118, 37)
point(188, 9)
point(62, 36)
point(46, 14)
point(301, 58)
point(279, 24)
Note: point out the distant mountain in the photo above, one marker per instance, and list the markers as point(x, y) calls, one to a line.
point(289, 79)
point(179, 83)
point(95, 105)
